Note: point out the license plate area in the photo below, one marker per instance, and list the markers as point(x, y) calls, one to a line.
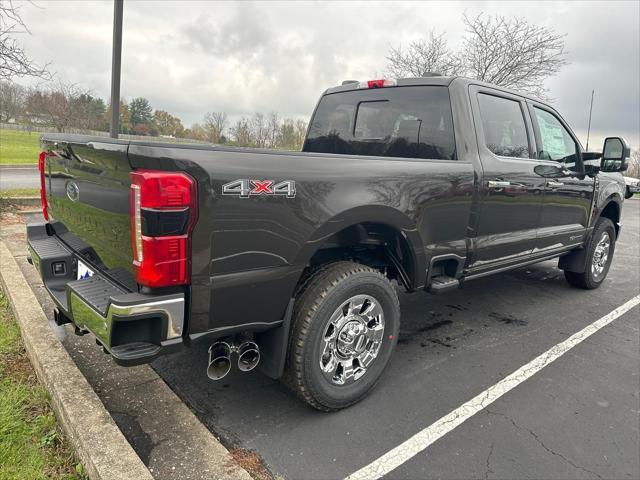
point(83, 271)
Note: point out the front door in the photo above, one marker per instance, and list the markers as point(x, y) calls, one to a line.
point(511, 192)
point(567, 201)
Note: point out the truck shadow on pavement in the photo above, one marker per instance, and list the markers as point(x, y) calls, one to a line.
point(432, 327)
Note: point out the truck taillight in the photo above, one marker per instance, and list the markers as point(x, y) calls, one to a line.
point(164, 210)
point(43, 186)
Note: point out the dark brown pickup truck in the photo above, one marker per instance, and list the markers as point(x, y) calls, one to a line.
point(288, 260)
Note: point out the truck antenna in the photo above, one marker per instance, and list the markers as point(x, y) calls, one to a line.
point(589, 127)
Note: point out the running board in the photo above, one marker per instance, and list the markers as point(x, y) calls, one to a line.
point(443, 283)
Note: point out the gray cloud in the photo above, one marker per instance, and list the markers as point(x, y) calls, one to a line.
point(193, 57)
point(245, 35)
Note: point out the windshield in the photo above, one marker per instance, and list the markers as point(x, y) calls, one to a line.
point(412, 122)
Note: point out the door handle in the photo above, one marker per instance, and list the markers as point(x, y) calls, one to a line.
point(552, 184)
point(498, 184)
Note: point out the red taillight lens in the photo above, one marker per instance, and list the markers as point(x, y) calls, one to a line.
point(165, 261)
point(163, 214)
point(43, 186)
point(383, 82)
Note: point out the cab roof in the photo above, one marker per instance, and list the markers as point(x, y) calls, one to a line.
point(436, 80)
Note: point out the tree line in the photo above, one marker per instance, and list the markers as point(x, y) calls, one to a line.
point(68, 106)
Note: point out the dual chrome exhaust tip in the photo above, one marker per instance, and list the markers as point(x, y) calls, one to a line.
point(220, 357)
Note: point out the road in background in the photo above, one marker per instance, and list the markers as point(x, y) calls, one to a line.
point(19, 177)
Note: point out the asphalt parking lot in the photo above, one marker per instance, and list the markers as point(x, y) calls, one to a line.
point(576, 418)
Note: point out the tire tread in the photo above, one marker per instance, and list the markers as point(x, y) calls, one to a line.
point(310, 299)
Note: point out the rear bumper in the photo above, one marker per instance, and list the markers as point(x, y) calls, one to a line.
point(135, 328)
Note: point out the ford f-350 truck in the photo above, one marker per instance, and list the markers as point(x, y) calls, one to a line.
point(289, 260)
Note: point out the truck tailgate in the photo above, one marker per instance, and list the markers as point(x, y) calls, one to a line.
point(87, 186)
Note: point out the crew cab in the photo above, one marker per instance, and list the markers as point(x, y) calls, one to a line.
point(289, 261)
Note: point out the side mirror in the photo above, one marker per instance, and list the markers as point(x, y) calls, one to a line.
point(615, 153)
point(552, 171)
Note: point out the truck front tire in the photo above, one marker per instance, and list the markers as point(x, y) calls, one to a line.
point(599, 256)
point(345, 326)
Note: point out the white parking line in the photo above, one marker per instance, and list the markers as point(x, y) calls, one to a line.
point(421, 440)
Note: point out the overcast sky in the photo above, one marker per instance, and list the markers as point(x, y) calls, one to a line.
point(192, 57)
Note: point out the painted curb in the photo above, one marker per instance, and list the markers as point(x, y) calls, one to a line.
point(100, 445)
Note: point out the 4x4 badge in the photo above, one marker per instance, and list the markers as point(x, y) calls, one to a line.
point(246, 188)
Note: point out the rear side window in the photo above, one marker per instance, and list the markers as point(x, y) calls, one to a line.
point(505, 132)
point(413, 122)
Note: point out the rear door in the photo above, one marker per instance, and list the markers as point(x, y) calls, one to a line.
point(511, 192)
point(568, 199)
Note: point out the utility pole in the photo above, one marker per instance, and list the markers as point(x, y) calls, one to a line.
point(589, 127)
point(116, 57)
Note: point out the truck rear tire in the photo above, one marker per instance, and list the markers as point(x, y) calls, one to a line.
point(345, 326)
point(599, 255)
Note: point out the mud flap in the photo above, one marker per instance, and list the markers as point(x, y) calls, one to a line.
point(274, 344)
point(576, 261)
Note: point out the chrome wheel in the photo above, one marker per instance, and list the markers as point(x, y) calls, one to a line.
point(601, 255)
point(352, 339)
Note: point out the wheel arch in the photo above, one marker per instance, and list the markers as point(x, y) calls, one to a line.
point(612, 210)
point(347, 229)
point(576, 260)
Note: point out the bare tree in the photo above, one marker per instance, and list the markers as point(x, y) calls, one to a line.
point(259, 130)
point(301, 132)
point(214, 126)
point(423, 57)
point(241, 133)
point(273, 128)
point(60, 105)
point(12, 97)
point(511, 53)
point(14, 62)
point(287, 137)
point(633, 170)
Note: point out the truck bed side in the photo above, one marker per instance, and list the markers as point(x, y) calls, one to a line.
point(249, 253)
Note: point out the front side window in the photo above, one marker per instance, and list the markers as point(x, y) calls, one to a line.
point(557, 143)
point(414, 122)
point(505, 132)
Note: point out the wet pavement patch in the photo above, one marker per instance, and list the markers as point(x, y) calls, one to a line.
point(508, 319)
point(436, 325)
